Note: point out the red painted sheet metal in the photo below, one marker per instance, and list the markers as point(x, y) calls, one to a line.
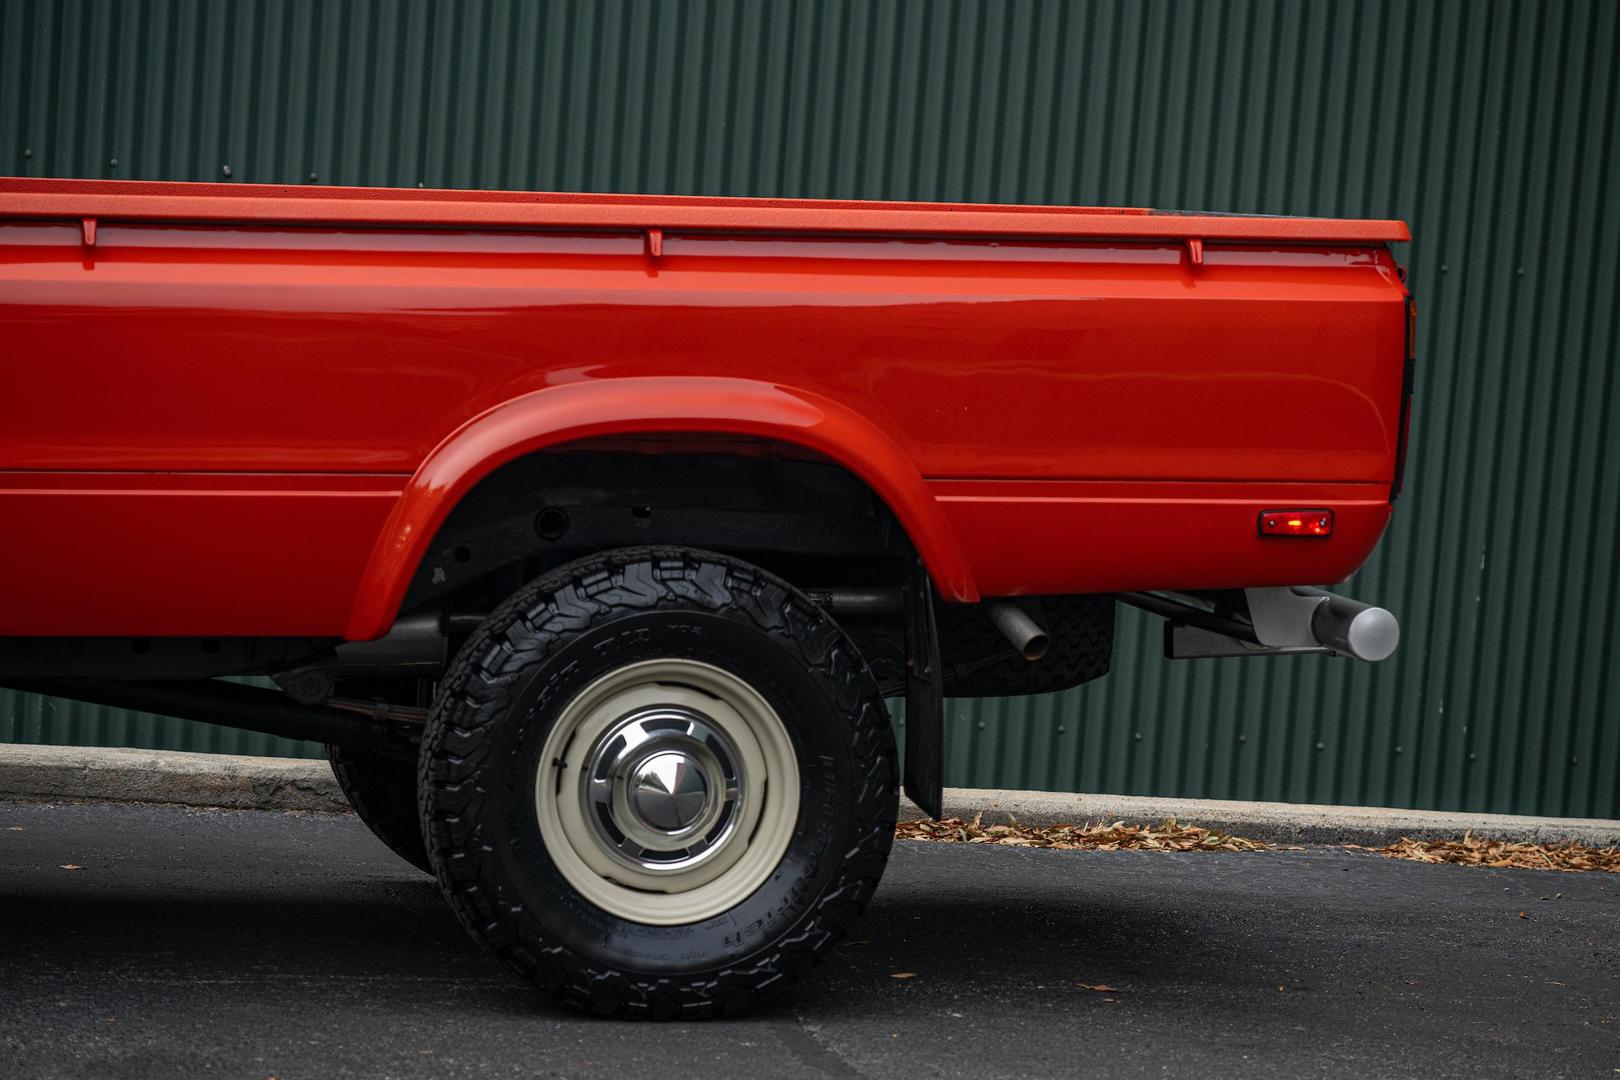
point(265, 203)
point(1106, 536)
point(185, 554)
point(270, 350)
point(167, 353)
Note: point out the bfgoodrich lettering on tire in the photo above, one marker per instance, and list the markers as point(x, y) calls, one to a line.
point(659, 783)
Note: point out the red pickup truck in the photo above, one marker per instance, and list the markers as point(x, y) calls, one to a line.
point(591, 532)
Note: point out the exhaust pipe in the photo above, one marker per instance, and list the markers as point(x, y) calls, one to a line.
point(876, 601)
point(1027, 636)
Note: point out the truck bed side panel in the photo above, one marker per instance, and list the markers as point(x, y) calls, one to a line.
point(1012, 373)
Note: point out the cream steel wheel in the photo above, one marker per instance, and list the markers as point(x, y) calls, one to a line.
point(658, 782)
point(667, 791)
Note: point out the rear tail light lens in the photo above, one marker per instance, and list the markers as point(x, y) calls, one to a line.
point(1306, 523)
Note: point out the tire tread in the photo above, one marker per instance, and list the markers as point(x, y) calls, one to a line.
point(477, 693)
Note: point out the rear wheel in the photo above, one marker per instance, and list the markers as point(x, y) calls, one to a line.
point(659, 783)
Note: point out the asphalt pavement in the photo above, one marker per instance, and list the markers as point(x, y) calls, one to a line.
point(251, 944)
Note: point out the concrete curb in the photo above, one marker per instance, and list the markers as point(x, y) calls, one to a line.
point(54, 773)
point(49, 773)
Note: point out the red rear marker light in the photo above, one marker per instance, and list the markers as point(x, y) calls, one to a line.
point(1313, 523)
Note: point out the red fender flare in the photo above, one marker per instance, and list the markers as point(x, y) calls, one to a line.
point(694, 404)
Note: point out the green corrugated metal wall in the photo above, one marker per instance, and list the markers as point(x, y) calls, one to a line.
point(1491, 127)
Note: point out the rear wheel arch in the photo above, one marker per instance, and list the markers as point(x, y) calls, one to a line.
point(549, 420)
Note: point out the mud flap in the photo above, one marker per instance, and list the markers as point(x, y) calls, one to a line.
point(925, 696)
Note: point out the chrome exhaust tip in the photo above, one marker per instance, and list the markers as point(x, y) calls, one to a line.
point(1026, 635)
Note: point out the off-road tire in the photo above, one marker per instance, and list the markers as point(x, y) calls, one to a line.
point(521, 669)
point(382, 790)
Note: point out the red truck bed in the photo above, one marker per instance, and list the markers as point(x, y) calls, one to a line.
point(245, 410)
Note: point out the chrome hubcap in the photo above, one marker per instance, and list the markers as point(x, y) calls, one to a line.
point(664, 788)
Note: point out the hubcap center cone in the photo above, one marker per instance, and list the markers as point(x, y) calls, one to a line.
point(663, 787)
point(668, 790)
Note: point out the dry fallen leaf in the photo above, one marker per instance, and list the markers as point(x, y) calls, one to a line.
point(1171, 835)
point(1523, 915)
point(1101, 988)
point(1471, 850)
point(903, 975)
point(71, 866)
